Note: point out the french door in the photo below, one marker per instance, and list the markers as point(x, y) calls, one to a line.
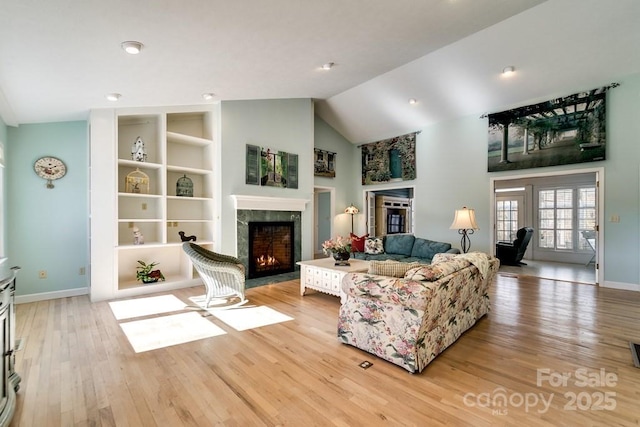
point(510, 212)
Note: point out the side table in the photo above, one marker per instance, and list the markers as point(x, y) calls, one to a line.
point(324, 276)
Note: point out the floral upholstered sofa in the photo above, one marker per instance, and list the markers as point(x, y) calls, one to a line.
point(409, 320)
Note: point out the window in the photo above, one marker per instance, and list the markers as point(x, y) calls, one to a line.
point(506, 220)
point(586, 215)
point(562, 216)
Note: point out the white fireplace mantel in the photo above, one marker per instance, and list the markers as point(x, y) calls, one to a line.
point(261, 203)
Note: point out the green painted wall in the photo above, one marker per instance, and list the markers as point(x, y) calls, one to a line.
point(48, 228)
point(452, 173)
point(347, 176)
point(281, 124)
point(3, 131)
point(3, 193)
point(622, 183)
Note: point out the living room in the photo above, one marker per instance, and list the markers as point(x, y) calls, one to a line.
point(49, 230)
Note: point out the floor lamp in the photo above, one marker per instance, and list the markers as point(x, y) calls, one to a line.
point(351, 210)
point(465, 222)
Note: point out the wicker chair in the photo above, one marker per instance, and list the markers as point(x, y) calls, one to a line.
point(223, 275)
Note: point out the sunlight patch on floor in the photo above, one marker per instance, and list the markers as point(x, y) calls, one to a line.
point(165, 331)
point(242, 318)
point(138, 307)
point(245, 318)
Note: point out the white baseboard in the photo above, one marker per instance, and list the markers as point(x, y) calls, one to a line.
point(621, 285)
point(23, 299)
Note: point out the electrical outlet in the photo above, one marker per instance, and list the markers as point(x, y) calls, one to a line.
point(82, 271)
point(130, 225)
point(144, 206)
point(42, 274)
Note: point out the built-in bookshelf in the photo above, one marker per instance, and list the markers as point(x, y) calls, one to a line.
point(179, 144)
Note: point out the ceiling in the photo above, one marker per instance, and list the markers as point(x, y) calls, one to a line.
point(58, 59)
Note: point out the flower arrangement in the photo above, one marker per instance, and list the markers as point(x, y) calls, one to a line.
point(147, 274)
point(341, 245)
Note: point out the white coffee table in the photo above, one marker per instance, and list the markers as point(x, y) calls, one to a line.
point(324, 276)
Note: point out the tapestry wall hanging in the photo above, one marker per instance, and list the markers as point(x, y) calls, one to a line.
point(561, 131)
point(325, 163)
point(388, 160)
point(266, 166)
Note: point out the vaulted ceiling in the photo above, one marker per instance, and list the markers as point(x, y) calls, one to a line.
point(58, 59)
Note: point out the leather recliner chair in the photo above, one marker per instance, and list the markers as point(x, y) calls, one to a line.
point(512, 253)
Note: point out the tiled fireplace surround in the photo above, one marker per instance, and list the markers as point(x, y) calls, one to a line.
point(253, 208)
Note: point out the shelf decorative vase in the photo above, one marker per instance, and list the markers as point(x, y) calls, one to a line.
point(137, 182)
point(138, 152)
point(342, 258)
point(184, 187)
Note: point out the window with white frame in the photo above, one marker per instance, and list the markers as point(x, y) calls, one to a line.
point(506, 220)
point(586, 215)
point(563, 213)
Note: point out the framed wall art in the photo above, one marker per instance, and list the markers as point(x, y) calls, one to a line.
point(392, 159)
point(325, 163)
point(269, 167)
point(566, 130)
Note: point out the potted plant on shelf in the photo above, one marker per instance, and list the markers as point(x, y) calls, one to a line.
point(339, 248)
point(146, 273)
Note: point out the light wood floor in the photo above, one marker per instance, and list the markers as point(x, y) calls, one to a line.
point(554, 270)
point(78, 369)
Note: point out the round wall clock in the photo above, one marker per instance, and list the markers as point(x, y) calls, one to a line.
point(50, 168)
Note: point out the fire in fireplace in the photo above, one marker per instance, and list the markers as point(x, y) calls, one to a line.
point(270, 248)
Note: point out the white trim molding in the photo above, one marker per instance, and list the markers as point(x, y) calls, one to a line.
point(23, 299)
point(261, 203)
point(621, 285)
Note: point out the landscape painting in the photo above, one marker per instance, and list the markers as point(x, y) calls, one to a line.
point(561, 131)
point(270, 167)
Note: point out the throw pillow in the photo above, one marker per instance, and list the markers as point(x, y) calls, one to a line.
point(357, 243)
point(373, 246)
point(426, 249)
point(391, 267)
point(400, 244)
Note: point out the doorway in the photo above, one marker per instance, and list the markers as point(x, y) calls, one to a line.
point(389, 211)
point(324, 200)
point(564, 209)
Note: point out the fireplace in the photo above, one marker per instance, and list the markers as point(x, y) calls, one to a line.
point(267, 209)
point(271, 248)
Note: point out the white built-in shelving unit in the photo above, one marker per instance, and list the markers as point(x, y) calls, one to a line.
point(179, 142)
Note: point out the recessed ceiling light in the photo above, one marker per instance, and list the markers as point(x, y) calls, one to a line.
point(413, 101)
point(328, 66)
point(507, 71)
point(132, 47)
point(208, 96)
point(113, 97)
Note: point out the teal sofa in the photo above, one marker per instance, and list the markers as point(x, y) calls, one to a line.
point(407, 248)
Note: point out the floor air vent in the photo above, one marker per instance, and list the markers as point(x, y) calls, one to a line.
point(635, 353)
